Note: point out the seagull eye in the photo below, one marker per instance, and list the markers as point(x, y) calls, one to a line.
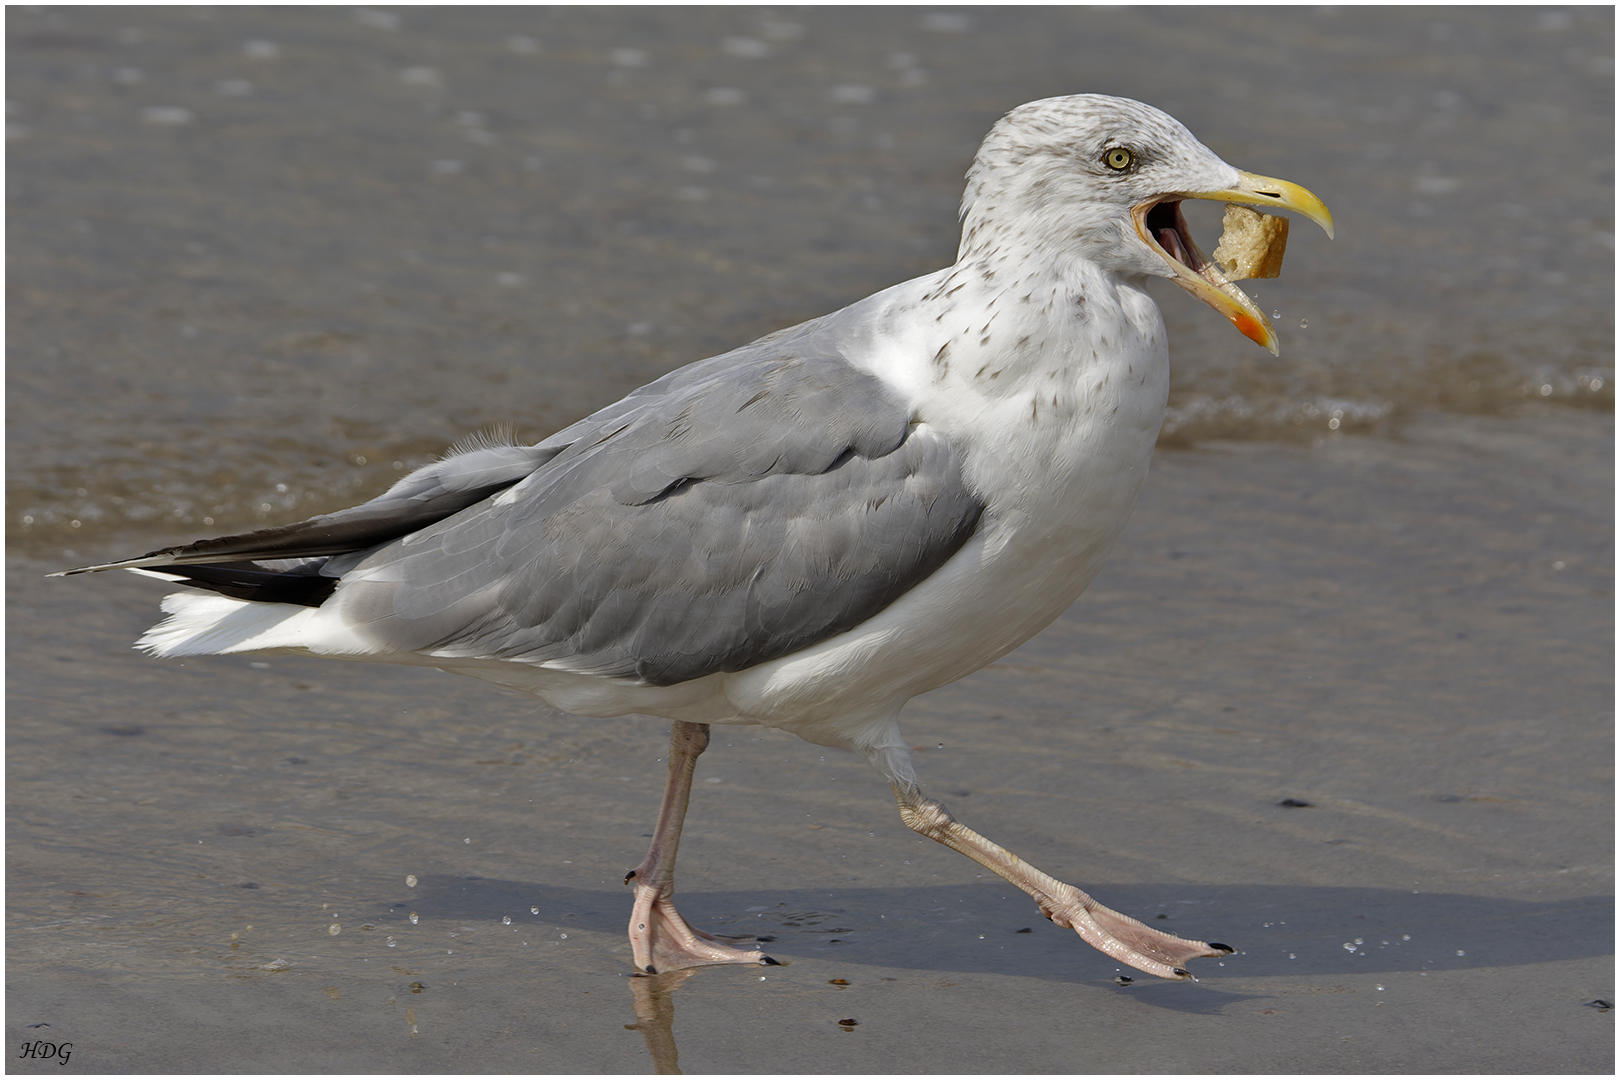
point(1118, 158)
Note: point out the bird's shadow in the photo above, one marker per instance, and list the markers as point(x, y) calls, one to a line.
point(1278, 930)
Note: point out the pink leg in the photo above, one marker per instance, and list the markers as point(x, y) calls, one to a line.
point(1120, 936)
point(659, 938)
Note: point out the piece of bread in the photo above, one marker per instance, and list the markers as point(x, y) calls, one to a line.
point(1251, 244)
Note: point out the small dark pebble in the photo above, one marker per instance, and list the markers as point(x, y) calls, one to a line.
point(1161, 916)
point(1601, 1005)
point(837, 982)
point(1025, 930)
point(1123, 980)
point(1295, 803)
point(849, 1023)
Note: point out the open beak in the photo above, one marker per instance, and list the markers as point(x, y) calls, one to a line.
point(1161, 225)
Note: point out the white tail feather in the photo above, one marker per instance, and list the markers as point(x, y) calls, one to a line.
point(205, 623)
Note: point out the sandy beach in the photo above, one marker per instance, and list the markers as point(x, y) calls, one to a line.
point(1342, 698)
point(209, 861)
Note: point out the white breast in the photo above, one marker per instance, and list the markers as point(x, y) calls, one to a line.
point(1057, 406)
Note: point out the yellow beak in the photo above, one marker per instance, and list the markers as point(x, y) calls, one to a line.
point(1167, 234)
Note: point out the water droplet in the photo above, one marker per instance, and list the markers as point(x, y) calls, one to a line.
point(410, 881)
point(392, 943)
point(1546, 390)
point(1276, 314)
point(413, 918)
point(564, 937)
point(1358, 941)
point(336, 929)
point(1303, 323)
point(1406, 937)
point(506, 920)
point(1380, 988)
point(1461, 953)
point(1290, 956)
point(535, 910)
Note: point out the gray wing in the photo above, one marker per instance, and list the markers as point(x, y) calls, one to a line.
point(429, 494)
point(736, 511)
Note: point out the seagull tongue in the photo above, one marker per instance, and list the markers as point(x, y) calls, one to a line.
point(1170, 240)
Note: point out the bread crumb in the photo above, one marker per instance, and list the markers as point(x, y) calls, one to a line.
point(1251, 243)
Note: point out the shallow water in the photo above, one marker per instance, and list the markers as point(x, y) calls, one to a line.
point(261, 260)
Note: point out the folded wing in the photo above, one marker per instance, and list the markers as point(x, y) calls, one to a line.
point(731, 513)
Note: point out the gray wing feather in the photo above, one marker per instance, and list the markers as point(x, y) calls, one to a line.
point(428, 494)
point(731, 513)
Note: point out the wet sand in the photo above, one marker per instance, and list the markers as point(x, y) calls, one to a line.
point(264, 259)
point(208, 860)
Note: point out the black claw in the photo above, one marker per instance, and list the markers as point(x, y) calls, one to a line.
point(766, 961)
point(1222, 948)
point(1181, 973)
point(651, 970)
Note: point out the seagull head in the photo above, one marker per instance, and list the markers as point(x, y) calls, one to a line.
point(1102, 179)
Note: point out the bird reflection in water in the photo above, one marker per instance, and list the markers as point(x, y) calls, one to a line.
point(655, 1016)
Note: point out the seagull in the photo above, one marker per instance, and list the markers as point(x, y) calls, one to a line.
point(808, 531)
